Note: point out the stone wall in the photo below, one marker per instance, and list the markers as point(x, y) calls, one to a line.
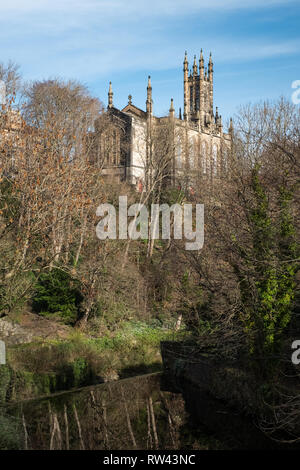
point(225, 381)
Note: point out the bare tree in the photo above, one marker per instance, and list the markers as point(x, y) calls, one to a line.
point(10, 75)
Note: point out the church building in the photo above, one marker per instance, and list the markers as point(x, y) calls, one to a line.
point(125, 142)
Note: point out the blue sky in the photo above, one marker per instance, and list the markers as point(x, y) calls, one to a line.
point(255, 46)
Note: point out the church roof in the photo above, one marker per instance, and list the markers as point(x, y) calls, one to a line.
point(134, 110)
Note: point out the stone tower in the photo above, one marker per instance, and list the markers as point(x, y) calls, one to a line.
point(198, 92)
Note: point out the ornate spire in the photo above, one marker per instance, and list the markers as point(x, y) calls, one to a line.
point(210, 68)
point(185, 65)
point(129, 99)
point(185, 62)
point(149, 96)
point(172, 109)
point(195, 69)
point(219, 124)
point(185, 87)
point(201, 60)
point(201, 65)
point(110, 96)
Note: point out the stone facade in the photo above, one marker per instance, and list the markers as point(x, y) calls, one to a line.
point(121, 141)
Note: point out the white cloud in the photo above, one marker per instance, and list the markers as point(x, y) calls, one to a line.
point(138, 8)
point(97, 38)
point(93, 60)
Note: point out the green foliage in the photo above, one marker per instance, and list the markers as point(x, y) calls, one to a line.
point(268, 288)
point(108, 314)
point(4, 382)
point(80, 371)
point(172, 196)
point(57, 293)
point(10, 433)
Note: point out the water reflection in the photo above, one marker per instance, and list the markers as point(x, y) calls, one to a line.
point(129, 414)
point(139, 413)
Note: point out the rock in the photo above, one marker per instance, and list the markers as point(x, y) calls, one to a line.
point(110, 376)
point(13, 333)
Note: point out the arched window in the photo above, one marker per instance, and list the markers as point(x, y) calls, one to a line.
point(110, 148)
point(215, 159)
point(225, 159)
point(104, 149)
point(116, 148)
point(191, 98)
point(178, 152)
point(192, 152)
point(204, 158)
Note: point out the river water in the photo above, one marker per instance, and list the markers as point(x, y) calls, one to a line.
point(144, 412)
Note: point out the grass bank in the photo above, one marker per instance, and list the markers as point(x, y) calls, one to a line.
point(48, 366)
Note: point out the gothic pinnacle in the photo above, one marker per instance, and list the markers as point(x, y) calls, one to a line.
point(110, 96)
point(195, 66)
point(210, 67)
point(185, 65)
point(172, 109)
point(149, 96)
point(201, 65)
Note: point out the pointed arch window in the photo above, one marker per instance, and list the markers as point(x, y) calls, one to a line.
point(116, 148)
point(192, 152)
point(215, 159)
point(179, 152)
point(204, 159)
point(225, 159)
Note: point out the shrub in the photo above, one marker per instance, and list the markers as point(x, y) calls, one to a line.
point(56, 292)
